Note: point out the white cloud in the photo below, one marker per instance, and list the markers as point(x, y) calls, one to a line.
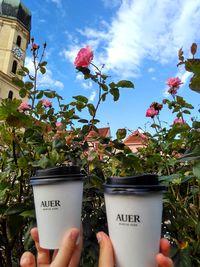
point(92, 96)
point(153, 30)
point(70, 53)
point(45, 80)
point(57, 2)
point(151, 70)
point(184, 76)
point(42, 20)
point(87, 85)
point(153, 78)
point(79, 76)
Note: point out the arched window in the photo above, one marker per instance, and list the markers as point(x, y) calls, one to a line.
point(14, 67)
point(19, 40)
point(10, 95)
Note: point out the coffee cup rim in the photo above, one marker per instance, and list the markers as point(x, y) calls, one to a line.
point(57, 174)
point(143, 183)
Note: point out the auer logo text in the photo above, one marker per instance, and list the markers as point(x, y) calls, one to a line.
point(128, 219)
point(50, 204)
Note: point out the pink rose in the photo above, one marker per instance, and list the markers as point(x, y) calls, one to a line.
point(179, 121)
point(34, 46)
point(58, 124)
point(24, 106)
point(174, 82)
point(84, 57)
point(151, 112)
point(47, 103)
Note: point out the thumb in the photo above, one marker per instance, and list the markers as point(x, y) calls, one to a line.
point(106, 255)
point(27, 260)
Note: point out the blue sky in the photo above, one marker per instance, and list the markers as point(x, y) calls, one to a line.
point(135, 39)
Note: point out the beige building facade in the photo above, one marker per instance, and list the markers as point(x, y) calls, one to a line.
point(15, 25)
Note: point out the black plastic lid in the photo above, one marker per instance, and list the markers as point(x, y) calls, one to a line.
point(143, 183)
point(57, 174)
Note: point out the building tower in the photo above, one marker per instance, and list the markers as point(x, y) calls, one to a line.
point(15, 26)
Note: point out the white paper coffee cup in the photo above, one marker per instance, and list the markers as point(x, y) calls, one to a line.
point(134, 214)
point(58, 202)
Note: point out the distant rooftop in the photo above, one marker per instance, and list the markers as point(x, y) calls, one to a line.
point(15, 9)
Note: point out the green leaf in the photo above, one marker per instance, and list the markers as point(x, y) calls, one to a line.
point(195, 83)
point(31, 77)
point(95, 121)
point(104, 77)
point(186, 111)
point(103, 86)
point(28, 213)
point(42, 64)
point(42, 70)
point(80, 106)
point(112, 85)
point(22, 162)
point(18, 82)
point(28, 85)
point(40, 95)
point(115, 93)
point(121, 133)
point(91, 109)
point(81, 98)
point(15, 209)
point(193, 65)
point(125, 84)
point(196, 169)
point(83, 121)
point(49, 94)
point(103, 96)
point(43, 162)
point(4, 187)
point(25, 69)
point(41, 149)
point(22, 92)
point(58, 144)
point(85, 129)
point(21, 73)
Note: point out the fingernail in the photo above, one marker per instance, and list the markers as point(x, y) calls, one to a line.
point(74, 234)
point(25, 261)
point(99, 237)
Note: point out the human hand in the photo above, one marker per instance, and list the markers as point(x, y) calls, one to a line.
point(106, 257)
point(67, 256)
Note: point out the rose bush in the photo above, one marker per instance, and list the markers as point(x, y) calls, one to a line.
point(173, 152)
point(36, 135)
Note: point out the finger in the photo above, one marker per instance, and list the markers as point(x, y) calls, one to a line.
point(77, 252)
point(43, 254)
point(164, 247)
point(164, 261)
point(27, 260)
point(106, 256)
point(67, 248)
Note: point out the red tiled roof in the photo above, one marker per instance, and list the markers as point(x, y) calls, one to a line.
point(104, 132)
point(135, 137)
